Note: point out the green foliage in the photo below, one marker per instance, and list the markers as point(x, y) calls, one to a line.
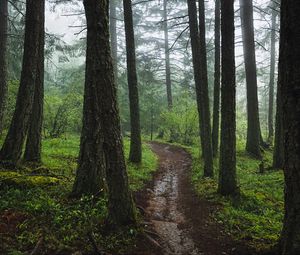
point(19, 180)
point(140, 174)
point(60, 155)
point(257, 215)
point(38, 205)
point(182, 121)
point(13, 87)
point(62, 112)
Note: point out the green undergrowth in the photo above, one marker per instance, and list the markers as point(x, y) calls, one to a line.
point(257, 215)
point(35, 204)
point(141, 173)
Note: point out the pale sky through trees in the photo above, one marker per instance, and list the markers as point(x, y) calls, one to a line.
point(59, 24)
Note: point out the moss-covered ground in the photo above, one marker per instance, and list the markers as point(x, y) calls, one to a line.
point(35, 205)
point(257, 215)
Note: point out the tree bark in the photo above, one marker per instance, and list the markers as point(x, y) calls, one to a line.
point(34, 137)
point(113, 35)
point(12, 147)
point(278, 155)
point(167, 57)
point(253, 126)
point(206, 121)
point(272, 78)
point(167, 65)
point(90, 175)
point(135, 154)
point(290, 95)
point(217, 75)
point(200, 76)
point(227, 173)
point(3, 58)
point(102, 143)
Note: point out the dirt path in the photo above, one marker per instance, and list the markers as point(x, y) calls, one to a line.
point(181, 220)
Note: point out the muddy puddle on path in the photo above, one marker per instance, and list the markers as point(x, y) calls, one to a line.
point(163, 207)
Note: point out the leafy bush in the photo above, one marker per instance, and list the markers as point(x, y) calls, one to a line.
point(181, 123)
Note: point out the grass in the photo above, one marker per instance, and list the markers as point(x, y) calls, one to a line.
point(258, 214)
point(34, 206)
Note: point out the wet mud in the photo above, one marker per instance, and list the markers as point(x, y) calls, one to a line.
point(166, 217)
point(182, 223)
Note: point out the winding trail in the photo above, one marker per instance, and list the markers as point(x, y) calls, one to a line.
point(163, 208)
point(180, 219)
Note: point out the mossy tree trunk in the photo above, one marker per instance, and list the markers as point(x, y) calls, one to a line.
point(289, 72)
point(253, 126)
point(3, 58)
point(200, 75)
point(34, 137)
point(217, 77)
point(135, 154)
point(227, 173)
point(12, 148)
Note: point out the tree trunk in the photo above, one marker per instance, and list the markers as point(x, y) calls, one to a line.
point(278, 155)
point(135, 154)
point(167, 65)
point(227, 173)
point(113, 35)
point(90, 175)
point(34, 136)
point(3, 58)
point(101, 144)
point(167, 57)
point(216, 108)
point(253, 126)
point(290, 95)
point(200, 76)
point(12, 147)
point(272, 78)
point(206, 121)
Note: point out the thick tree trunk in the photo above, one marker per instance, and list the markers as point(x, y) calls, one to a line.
point(135, 154)
point(167, 57)
point(272, 78)
point(290, 95)
point(90, 175)
point(253, 126)
point(12, 147)
point(3, 58)
point(227, 173)
point(216, 108)
point(113, 35)
point(101, 144)
point(34, 137)
point(200, 76)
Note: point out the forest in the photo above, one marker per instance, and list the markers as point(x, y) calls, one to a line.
point(149, 127)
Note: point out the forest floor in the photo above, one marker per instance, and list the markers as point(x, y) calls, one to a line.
point(183, 213)
point(181, 220)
